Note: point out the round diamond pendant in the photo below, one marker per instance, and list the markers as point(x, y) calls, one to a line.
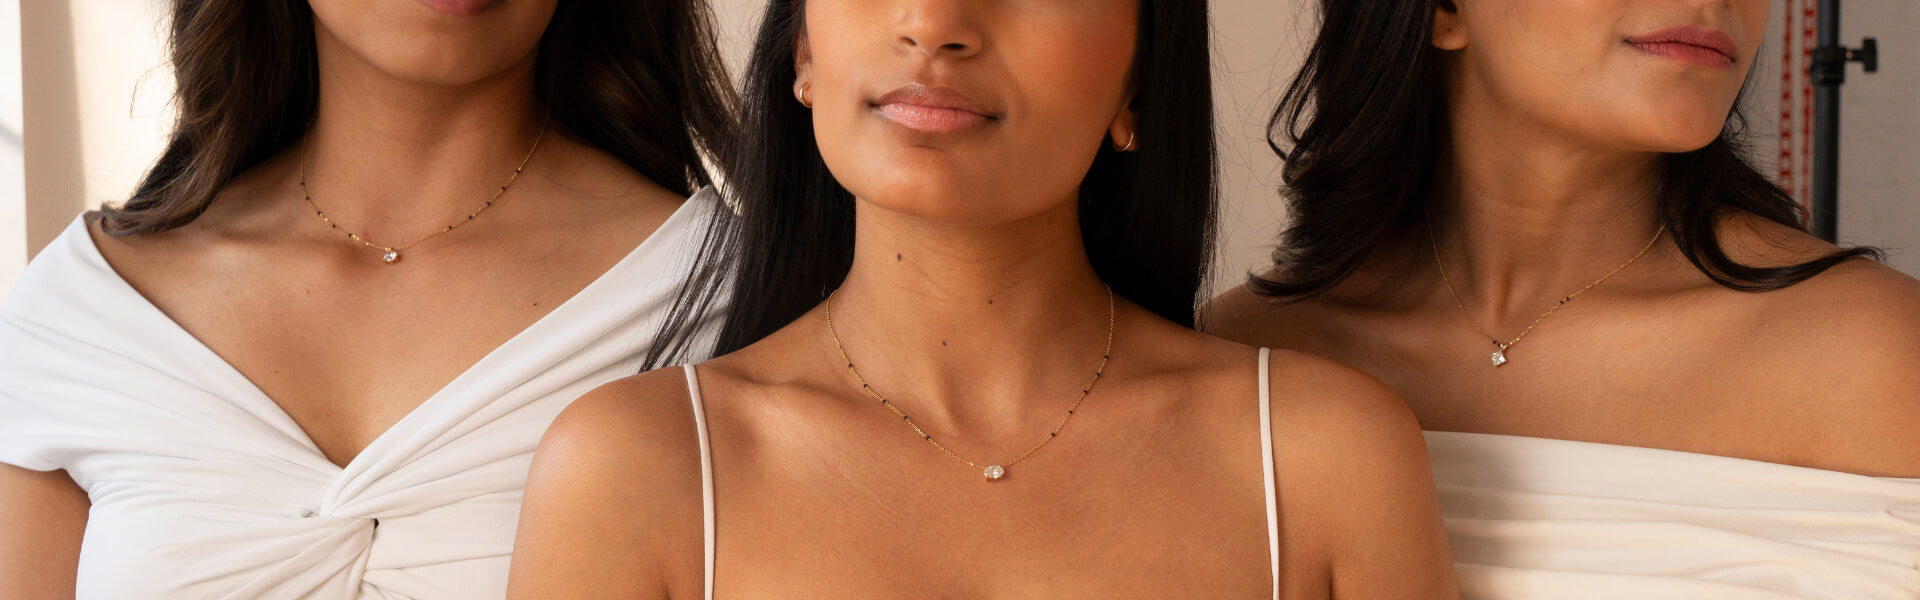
point(392, 256)
point(994, 472)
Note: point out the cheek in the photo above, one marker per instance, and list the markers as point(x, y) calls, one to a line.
point(1561, 66)
point(1535, 47)
point(1073, 88)
point(1753, 16)
point(1076, 85)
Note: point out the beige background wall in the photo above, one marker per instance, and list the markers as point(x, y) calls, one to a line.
point(95, 113)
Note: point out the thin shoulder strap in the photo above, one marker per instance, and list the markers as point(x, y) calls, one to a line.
point(1266, 467)
point(706, 472)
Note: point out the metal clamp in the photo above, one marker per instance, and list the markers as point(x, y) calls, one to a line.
point(1829, 64)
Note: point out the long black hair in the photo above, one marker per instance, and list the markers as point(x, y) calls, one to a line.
point(1366, 120)
point(638, 79)
point(1146, 217)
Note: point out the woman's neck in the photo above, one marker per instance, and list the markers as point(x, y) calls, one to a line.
point(395, 159)
point(1521, 214)
point(981, 326)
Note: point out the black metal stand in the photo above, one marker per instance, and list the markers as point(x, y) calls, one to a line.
point(1828, 70)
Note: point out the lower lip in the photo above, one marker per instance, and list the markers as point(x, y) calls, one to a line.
point(462, 8)
point(926, 118)
point(1687, 53)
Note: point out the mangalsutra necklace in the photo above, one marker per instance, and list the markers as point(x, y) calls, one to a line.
point(391, 254)
point(995, 471)
point(1500, 352)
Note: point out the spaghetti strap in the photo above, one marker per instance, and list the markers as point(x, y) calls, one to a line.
point(706, 475)
point(1266, 467)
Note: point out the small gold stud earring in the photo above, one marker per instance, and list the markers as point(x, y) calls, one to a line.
point(803, 94)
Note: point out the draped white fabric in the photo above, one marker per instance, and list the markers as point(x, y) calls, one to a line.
point(202, 487)
point(1536, 518)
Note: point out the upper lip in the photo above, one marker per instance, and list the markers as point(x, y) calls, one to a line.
point(1690, 35)
point(920, 94)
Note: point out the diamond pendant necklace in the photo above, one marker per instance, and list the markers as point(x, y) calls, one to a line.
point(391, 254)
point(996, 471)
point(1499, 356)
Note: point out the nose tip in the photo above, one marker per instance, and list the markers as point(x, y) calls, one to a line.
point(938, 29)
point(937, 48)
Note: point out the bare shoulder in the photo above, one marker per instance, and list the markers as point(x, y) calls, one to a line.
point(1336, 428)
point(613, 499)
point(1325, 415)
point(1845, 340)
point(1859, 319)
point(1332, 413)
point(1312, 391)
point(643, 419)
point(1354, 481)
point(247, 215)
point(630, 443)
point(1870, 314)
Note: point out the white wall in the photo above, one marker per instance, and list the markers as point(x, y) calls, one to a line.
point(13, 208)
point(1880, 153)
point(96, 105)
point(96, 114)
point(1880, 144)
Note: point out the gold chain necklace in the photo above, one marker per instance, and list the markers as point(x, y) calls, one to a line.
point(1500, 353)
point(391, 254)
point(992, 472)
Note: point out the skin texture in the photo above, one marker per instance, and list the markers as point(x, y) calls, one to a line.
point(44, 515)
point(1152, 490)
point(422, 116)
point(1556, 126)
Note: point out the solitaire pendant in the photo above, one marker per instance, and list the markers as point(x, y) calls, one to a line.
point(994, 472)
point(1500, 356)
point(392, 256)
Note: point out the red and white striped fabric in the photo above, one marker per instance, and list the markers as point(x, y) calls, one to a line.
point(1795, 162)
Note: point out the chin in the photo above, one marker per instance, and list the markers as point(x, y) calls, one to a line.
point(446, 66)
point(933, 185)
point(422, 47)
point(947, 208)
point(1673, 124)
point(1680, 136)
point(947, 200)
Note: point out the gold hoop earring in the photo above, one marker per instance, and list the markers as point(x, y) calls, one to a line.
point(803, 94)
point(1131, 137)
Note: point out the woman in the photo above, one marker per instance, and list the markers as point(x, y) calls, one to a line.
point(388, 242)
point(976, 376)
point(1641, 377)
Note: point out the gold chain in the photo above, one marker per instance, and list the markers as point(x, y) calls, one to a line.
point(992, 472)
point(1499, 356)
point(391, 254)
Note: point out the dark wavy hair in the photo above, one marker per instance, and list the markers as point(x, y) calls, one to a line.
point(1366, 119)
point(1146, 217)
point(637, 79)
